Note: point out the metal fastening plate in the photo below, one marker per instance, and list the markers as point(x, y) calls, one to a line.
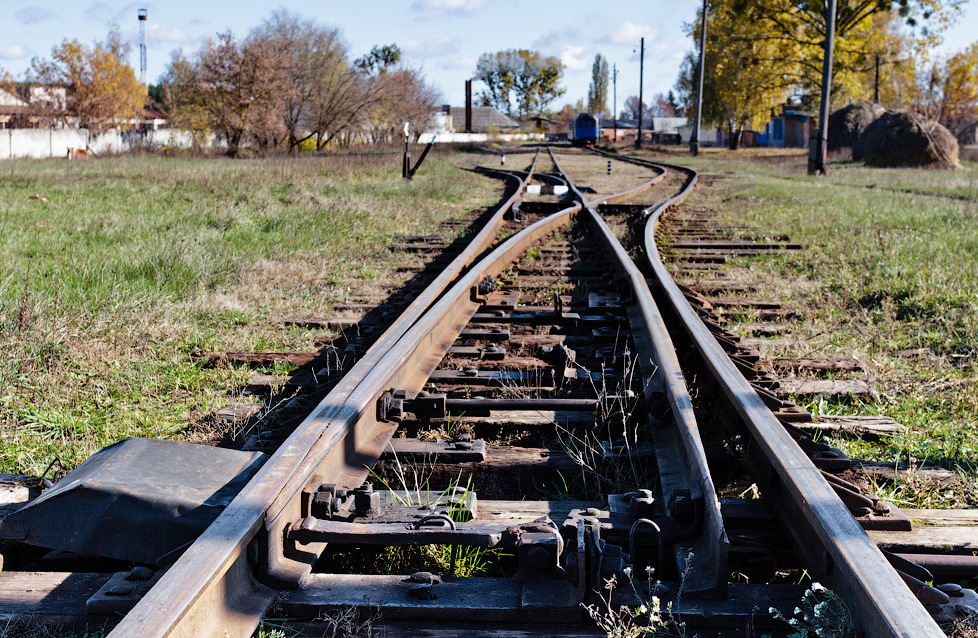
point(139, 500)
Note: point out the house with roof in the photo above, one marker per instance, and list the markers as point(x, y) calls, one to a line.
point(12, 109)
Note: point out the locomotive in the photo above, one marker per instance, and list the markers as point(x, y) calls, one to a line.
point(584, 130)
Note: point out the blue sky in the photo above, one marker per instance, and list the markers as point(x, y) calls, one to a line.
point(442, 37)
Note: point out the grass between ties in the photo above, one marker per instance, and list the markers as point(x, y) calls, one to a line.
point(888, 274)
point(133, 263)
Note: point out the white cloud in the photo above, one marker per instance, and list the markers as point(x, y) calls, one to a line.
point(98, 12)
point(158, 33)
point(435, 47)
point(435, 8)
point(574, 57)
point(459, 63)
point(32, 15)
point(13, 52)
point(630, 33)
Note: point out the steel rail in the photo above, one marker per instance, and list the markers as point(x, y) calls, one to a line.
point(881, 602)
point(703, 557)
point(211, 590)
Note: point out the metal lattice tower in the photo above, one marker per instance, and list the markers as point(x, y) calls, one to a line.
point(142, 45)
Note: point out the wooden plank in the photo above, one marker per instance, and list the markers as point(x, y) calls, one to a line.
point(336, 324)
point(47, 597)
point(855, 425)
point(900, 471)
point(262, 359)
point(762, 328)
point(765, 345)
point(935, 531)
point(831, 388)
point(821, 364)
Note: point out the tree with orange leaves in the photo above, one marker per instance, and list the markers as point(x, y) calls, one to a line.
point(102, 89)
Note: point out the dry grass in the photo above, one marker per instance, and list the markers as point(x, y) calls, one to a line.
point(136, 262)
point(889, 266)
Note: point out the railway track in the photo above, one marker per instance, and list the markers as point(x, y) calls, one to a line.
point(531, 417)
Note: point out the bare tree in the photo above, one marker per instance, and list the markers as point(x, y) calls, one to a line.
point(396, 94)
point(237, 89)
point(322, 95)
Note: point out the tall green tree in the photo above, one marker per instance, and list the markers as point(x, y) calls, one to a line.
point(746, 74)
point(597, 94)
point(520, 80)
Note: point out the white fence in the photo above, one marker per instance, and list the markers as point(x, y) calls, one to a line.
point(447, 137)
point(40, 143)
point(37, 143)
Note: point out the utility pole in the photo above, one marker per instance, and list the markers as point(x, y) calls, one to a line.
point(819, 147)
point(641, 76)
point(876, 84)
point(614, 91)
point(694, 138)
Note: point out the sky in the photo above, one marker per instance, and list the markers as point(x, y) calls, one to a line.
point(442, 38)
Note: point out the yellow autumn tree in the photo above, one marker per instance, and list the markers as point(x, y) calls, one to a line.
point(102, 90)
point(951, 93)
point(746, 75)
point(863, 28)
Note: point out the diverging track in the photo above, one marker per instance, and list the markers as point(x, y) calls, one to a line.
point(520, 447)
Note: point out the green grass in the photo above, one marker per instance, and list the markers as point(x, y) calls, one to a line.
point(890, 264)
point(135, 262)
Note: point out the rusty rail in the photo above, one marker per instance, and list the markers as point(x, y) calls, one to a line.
point(210, 590)
point(837, 547)
point(680, 453)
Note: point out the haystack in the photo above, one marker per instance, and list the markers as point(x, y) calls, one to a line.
point(900, 138)
point(848, 123)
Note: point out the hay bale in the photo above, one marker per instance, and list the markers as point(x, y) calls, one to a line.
point(848, 123)
point(900, 138)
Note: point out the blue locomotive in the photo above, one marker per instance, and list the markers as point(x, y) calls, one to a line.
point(584, 130)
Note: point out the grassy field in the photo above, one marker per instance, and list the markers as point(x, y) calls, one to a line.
point(133, 263)
point(888, 275)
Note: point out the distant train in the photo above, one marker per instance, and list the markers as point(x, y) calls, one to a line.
point(584, 130)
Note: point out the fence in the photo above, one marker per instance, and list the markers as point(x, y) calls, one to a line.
point(39, 143)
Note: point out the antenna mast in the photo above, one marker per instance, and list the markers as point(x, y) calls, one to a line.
point(142, 46)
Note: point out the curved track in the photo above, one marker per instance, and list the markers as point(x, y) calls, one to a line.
point(544, 313)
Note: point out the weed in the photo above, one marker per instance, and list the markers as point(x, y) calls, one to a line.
point(821, 613)
point(624, 621)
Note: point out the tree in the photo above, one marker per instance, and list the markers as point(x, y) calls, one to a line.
point(183, 98)
point(631, 108)
point(102, 90)
point(322, 93)
point(661, 106)
point(237, 89)
point(746, 74)
point(673, 103)
point(521, 76)
point(951, 94)
point(597, 95)
point(381, 57)
point(397, 95)
point(800, 27)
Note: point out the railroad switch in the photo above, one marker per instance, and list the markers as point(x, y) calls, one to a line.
point(395, 405)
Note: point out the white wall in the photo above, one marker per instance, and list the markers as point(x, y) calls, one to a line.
point(445, 138)
point(39, 143)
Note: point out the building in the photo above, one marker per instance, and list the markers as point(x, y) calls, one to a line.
point(485, 119)
point(789, 129)
point(12, 110)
